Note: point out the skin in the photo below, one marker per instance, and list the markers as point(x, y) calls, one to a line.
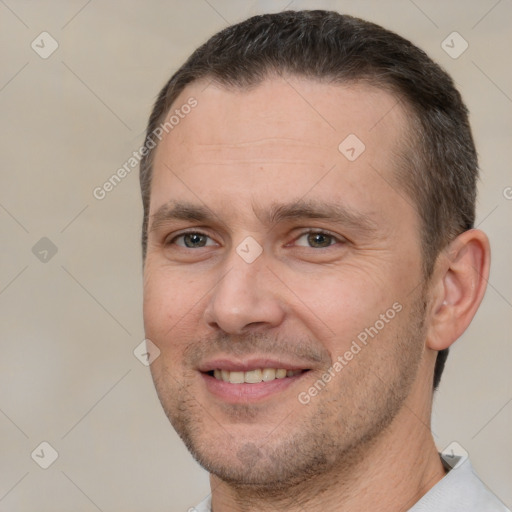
point(264, 163)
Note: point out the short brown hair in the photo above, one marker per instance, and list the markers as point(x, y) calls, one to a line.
point(440, 172)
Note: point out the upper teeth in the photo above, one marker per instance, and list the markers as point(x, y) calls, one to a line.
point(254, 376)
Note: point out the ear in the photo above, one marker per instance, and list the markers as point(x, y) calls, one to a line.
point(458, 285)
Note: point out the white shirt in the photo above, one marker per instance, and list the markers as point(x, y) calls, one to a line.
point(459, 491)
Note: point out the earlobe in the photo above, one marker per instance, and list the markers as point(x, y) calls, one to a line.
point(461, 276)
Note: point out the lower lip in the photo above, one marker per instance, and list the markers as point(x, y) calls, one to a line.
point(243, 393)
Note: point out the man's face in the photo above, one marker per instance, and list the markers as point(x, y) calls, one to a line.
point(270, 250)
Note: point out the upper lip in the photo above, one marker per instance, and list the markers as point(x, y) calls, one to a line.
point(246, 365)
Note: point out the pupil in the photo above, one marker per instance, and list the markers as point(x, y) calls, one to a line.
point(195, 240)
point(319, 240)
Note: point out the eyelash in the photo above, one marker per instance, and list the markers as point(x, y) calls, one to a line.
point(185, 233)
point(338, 239)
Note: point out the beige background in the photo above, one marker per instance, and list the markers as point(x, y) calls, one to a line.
point(69, 325)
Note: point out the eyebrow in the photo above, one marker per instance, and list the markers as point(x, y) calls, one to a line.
point(179, 211)
point(277, 213)
point(333, 212)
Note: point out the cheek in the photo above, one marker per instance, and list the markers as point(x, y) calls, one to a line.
point(337, 306)
point(169, 309)
point(171, 304)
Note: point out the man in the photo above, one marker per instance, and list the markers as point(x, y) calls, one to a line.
point(309, 257)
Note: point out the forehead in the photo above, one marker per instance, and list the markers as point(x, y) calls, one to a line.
point(298, 107)
point(282, 136)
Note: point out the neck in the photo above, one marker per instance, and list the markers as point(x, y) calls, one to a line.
point(390, 473)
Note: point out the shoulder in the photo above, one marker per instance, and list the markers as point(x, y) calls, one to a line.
point(461, 490)
point(204, 506)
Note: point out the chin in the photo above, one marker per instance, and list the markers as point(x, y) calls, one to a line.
point(268, 465)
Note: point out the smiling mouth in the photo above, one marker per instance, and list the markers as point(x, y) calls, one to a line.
point(254, 376)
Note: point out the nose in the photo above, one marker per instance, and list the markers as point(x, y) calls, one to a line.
point(245, 298)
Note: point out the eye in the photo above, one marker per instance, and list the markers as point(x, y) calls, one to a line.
point(193, 240)
point(316, 240)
